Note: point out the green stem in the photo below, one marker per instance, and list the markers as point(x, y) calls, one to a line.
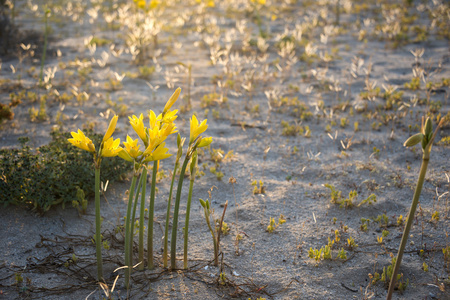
point(186, 224)
point(141, 219)
point(98, 235)
point(173, 243)
point(127, 232)
point(44, 51)
point(133, 217)
point(412, 210)
point(208, 222)
point(151, 213)
point(166, 229)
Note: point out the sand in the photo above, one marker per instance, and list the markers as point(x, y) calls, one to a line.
point(289, 84)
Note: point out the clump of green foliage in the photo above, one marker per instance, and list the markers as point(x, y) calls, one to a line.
point(6, 109)
point(337, 198)
point(52, 174)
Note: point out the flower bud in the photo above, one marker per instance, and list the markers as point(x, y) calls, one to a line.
point(414, 140)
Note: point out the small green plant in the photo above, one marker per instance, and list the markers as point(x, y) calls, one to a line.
point(383, 220)
point(369, 200)
point(258, 187)
point(273, 225)
point(209, 216)
point(6, 109)
point(388, 273)
point(435, 216)
point(364, 224)
point(414, 84)
point(446, 252)
point(81, 203)
point(145, 72)
point(335, 194)
point(342, 254)
point(351, 244)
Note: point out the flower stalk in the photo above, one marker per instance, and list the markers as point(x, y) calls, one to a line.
point(98, 235)
point(108, 148)
point(141, 219)
point(426, 138)
point(128, 232)
point(193, 171)
point(180, 142)
point(173, 241)
point(151, 213)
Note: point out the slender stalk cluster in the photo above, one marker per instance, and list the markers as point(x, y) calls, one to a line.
point(153, 138)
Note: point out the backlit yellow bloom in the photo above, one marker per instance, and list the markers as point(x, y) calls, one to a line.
point(110, 148)
point(157, 136)
point(81, 141)
point(154, 4)
point(172, 100)
point(153, 120)
point(205, 142)
point(170, 116)
point(138, 126)
point(132, 147)
point(196, 128)
point(111, 128)
point(125, 155)
point(141, 4)
point(159, 153)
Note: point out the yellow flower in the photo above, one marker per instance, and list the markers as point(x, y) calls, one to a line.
point(141, 4)
point(204, 142)
point(153, 120)
point(110, 148)
point(154, 4)
point(125, 155)
point(111, 128)
point(157, 136)
point(138, 126)
point(81, 141)
point(132, 147)
point(172, 100)
point(170, 116)
point(159, 153)
point(196, 128)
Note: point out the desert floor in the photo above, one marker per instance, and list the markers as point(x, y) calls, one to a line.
point(298, 94)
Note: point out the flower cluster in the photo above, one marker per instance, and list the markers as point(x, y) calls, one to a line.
point(109, 146)
point(149, 146)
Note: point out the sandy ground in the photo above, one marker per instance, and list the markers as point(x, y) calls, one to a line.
point(327, 68)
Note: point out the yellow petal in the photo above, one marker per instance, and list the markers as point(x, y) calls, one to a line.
point(205, 142)
point(111, 148)
point(172, 100)
point(138, 126)
point(81, 141)
point(159, 153)
point(196, 129)
point(111, 128)
point(124, 154)
point(132, 147)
